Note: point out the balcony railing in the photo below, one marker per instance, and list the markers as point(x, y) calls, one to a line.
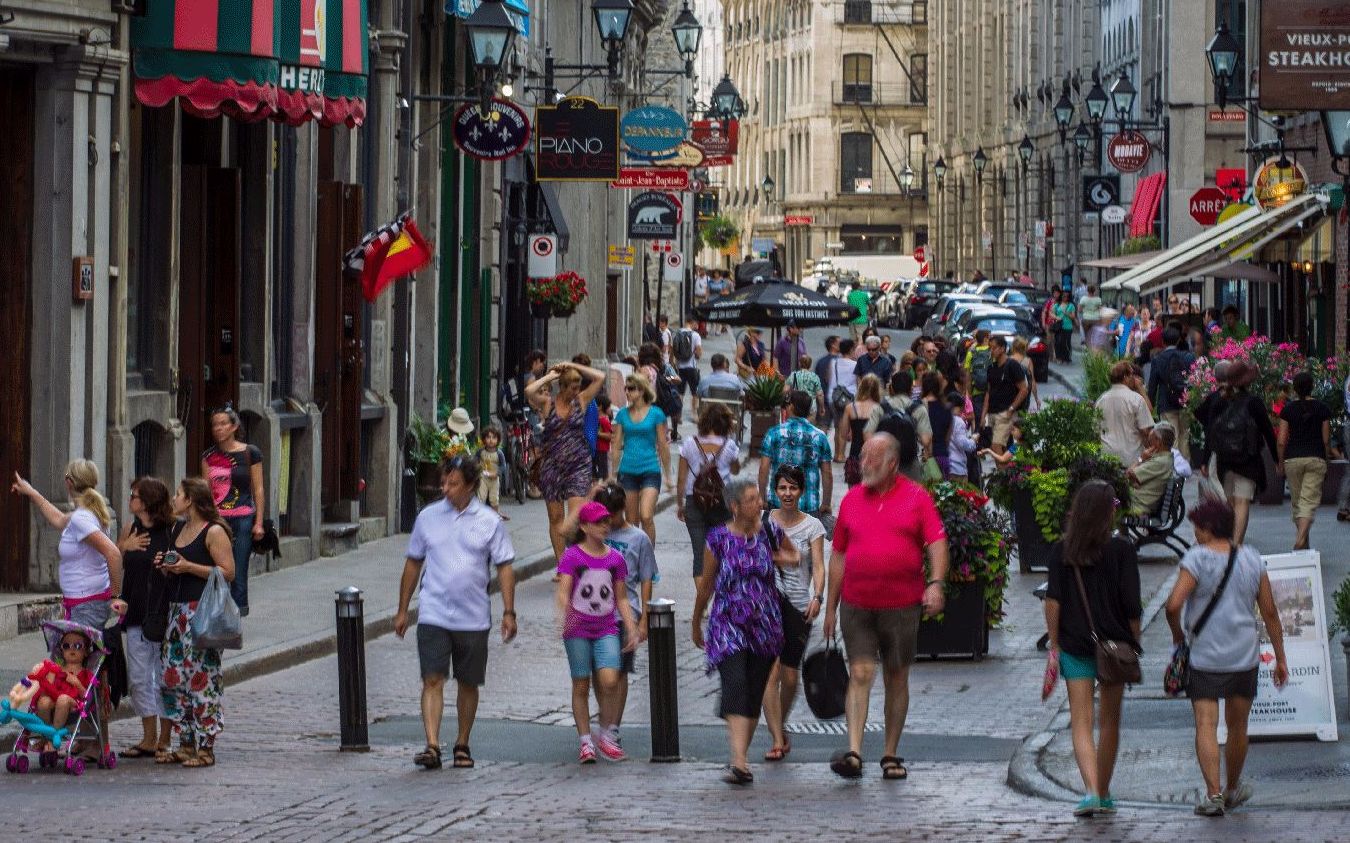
point(869, 12)
point(874, 93)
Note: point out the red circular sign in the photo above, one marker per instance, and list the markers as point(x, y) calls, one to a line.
point(1206, 204)
point(1129, 151)
point(920, 254)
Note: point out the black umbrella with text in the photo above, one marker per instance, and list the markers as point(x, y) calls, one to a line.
point(774, 305)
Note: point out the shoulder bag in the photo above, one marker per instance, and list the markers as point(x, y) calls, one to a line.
point(1179, 668)
point(1117, 661)
point(839, 396)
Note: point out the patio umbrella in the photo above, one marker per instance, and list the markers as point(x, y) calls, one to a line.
point(773, 305)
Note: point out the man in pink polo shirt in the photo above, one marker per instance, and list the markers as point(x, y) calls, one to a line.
point(877, 567)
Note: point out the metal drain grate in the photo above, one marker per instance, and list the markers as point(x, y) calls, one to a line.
point(827, 727)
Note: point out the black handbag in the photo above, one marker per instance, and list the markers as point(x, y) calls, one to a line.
point(1117, 661)
point(825, 682)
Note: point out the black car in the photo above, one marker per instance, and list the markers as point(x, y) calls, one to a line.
point(921, 300)
point(1010, 328)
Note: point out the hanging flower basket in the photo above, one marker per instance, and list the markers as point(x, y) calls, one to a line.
point(557, 296)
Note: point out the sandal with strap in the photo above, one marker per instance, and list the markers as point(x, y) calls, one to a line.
point(463, 759)
point(177, 756)
point(205, 757)
point(429, 758)
point(894, 768)
point(848, 765)
point(735, 775)
point(778, 753)
point(138, 751)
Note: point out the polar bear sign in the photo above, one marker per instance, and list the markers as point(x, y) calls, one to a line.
point(653, 215)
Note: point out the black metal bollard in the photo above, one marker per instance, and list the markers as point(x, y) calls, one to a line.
point(661, 675)
point(351, 654)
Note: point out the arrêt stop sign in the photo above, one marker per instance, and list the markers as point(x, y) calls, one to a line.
point(1206, 204)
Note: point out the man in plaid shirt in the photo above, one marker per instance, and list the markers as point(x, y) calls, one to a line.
point(800, 443)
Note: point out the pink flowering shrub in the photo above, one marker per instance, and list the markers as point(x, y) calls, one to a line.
point(1275, 364)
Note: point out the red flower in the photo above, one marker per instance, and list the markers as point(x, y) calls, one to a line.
point(171, 677)
point(198, 682)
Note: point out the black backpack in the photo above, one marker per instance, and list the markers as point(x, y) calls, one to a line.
point(980, 361)
point(668, 396)
point(1232, 434)
point(651, 333)
point(900, 424)
point(683, 345)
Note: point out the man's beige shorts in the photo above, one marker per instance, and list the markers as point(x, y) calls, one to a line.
point(1236, 486)
point(1306, 476)
point(1002, 424)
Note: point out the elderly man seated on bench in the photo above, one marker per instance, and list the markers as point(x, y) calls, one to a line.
point(1151, 475)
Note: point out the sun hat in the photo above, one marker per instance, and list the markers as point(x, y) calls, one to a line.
point(459, 421)
point(593, 512)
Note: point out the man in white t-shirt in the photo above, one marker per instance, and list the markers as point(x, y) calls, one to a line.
point(700, 285)
point(663, 328)
point(1126, 420)
point(454, 543)
point(687, 339)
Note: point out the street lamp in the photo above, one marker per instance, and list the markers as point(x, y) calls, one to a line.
point(688, 33)
point(940, 170)
point(1336, 124)
point(726, 101)
point(1222, 52)
point(980, 161)
point(907, 178)
point(612, 18)
point(767, 186)
point(1025, 150)
point(490, 31)
point(1096, 102)
point(1123, 95)
point(1063, 114)
point(1082, 136)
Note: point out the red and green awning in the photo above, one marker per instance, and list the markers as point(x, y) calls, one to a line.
point(291, 60)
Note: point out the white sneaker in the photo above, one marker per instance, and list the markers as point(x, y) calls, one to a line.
point(586, 755)
point(1210, 806)
point(1237, 795)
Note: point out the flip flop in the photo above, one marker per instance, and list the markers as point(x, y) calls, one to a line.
point(777, 753)
point(735, 775)
point(138, 751)
point(848, 765)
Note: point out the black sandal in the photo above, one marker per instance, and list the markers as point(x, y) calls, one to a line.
point(463, 760)
point(894, 768)
point(735, 775)
point(429, 758)
point(848, 765)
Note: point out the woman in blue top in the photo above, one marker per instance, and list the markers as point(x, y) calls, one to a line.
point(640, 452)
point(1122, 326)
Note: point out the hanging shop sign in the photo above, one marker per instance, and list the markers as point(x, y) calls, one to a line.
point(1231, 180)
point(1305, 705)
point(576, 140)
point(1114, 214)
point(499, 134)
point(1129, 151)
point(716, 137)
point(1305, 57)
point(652, 179)
point(1278, 181)
point(686, 156)
point(1100, 191)
point(651, 130)
point(672, 267)
point(653, 216)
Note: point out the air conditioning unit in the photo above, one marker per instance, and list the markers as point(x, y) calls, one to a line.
point(129, 7)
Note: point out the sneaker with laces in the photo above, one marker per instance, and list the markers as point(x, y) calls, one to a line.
point(1210, 806)
point(586, 755)
point(1108, 805)
point(1088, 806)
point(1237, 795)
point(609, 746)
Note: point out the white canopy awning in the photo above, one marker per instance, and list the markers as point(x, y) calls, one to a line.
point(1234, 239)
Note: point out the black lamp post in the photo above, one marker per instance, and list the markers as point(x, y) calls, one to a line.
point(1082, 136)
point(1123, 94)
point(979, 161)
point(490, 32)
point(726, 101)
point(612, 18)
point(1025, 150)
point(940, 170)
point(688, 33)
point(1063, 115)
point(1222, 53)
point(1096, 103)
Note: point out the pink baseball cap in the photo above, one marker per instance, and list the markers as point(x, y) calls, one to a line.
point(593, 512)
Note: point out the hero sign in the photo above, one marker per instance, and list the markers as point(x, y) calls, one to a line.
point(1206, 204)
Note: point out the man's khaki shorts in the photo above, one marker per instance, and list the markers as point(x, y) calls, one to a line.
point(888, 635)
point(1306, 476)
point(1236, 486)
point(1002, 424)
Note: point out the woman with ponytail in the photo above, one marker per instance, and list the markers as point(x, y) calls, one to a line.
point(90, 569)
point(192, 685)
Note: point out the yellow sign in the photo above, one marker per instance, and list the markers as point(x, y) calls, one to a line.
point(1232, 210)
point(621, 257)
point(1278, 181)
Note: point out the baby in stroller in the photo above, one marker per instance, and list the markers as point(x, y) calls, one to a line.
point(60, 687)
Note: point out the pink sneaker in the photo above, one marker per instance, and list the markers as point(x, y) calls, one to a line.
point(609, 746)
point(586, 755)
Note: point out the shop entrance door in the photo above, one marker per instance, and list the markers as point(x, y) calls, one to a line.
point(339, 347)
point(16, 232)
point(208, 307)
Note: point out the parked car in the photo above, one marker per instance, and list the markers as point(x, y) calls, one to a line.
point(965, 312)
point(942, 311)
point(919, 299)
point(1010, 326)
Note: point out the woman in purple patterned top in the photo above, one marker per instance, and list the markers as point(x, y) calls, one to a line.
point(745, 627)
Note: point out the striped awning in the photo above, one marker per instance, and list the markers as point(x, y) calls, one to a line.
point(291, 60)
point(1148, 195)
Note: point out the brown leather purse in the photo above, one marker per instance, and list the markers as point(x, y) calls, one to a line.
point(1117, 661)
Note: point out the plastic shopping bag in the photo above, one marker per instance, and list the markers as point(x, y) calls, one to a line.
point(215, 624)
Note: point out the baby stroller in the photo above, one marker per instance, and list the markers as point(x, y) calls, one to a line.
point(88, 720)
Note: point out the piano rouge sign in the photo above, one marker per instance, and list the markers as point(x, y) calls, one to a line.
point(576, 140)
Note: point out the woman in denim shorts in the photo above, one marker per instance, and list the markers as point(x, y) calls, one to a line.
point(641, 451)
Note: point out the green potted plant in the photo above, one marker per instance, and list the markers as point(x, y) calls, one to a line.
point(978, 549)
point(1340, 618)
point(765, 394)
point(718, 232)
point(428, 444)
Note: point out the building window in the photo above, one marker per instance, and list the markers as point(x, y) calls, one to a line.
point(855, 162)
point(857, 11)
point(918, 77)
point(871, 239)
point(919, 11)
point(857, 78)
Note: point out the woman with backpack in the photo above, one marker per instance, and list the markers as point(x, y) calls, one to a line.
point(707, 463)
point(1236, 424)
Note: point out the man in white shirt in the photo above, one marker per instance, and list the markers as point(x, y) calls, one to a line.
point(663, 328)
point(454, 543)
point(721, 378)
point(700, 285)
point(687, 366)
point(1126, 419)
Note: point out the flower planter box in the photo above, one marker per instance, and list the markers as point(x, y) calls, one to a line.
point(760, 422)
point(1332, 486)
point(962, 632)
point(540, 310)
point(1033, 550)
point(428, 482)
